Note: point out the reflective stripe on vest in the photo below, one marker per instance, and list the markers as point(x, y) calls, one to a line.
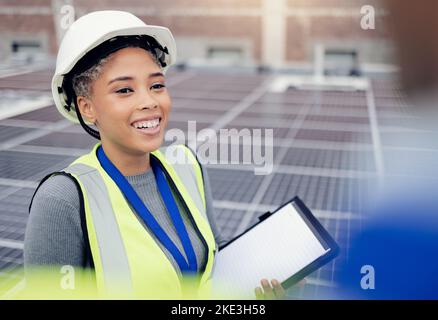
point(126, 257)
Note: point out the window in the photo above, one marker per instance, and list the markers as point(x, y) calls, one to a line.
point(341, 62)
point(225, 53)
point(25, 46)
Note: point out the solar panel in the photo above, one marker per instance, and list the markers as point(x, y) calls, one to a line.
point(322, 158)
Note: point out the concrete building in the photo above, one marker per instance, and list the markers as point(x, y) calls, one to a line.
point(273, 33)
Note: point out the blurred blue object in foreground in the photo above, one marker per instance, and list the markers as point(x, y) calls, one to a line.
point(395, 256)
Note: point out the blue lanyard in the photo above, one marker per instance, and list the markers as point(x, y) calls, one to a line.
point(148, 218)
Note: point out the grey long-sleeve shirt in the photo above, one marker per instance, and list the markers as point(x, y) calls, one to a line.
point(54, 235)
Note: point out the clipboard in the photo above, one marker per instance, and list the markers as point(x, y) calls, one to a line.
point(306, 220)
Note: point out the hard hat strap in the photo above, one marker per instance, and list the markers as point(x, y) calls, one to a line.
point(90, 131)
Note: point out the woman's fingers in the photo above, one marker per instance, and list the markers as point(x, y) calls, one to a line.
point(268, 290)
point(279, 291)
point(259, 293)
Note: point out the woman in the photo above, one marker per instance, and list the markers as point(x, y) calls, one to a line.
point(141, 222)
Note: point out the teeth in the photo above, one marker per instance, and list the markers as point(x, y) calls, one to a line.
point(147, 124)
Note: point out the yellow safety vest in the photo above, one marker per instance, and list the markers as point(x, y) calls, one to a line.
point(127, 260)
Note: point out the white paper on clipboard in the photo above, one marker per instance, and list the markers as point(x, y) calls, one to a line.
point(277, 248)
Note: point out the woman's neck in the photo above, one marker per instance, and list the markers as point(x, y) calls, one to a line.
point(128, 164)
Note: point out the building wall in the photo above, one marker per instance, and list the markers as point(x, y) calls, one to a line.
point(200, 25)
point(335, 24)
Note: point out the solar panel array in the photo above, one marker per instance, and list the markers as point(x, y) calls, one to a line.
point(324, 152)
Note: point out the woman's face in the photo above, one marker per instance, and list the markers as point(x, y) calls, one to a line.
point(129, 102)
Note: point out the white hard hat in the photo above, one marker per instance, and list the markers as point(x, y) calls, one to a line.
point(94, 29)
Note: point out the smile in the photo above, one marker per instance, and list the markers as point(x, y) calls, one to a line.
point(149, 127)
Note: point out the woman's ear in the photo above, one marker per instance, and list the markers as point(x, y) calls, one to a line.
point(87, 109)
